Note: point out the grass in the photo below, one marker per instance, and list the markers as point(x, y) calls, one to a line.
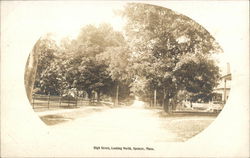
point(69, 116)
point(54, 119)
point(186, 124)
point(186, 129)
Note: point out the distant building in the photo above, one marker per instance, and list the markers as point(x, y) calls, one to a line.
point(223, 89)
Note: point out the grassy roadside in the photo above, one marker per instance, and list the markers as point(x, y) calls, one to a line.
point(69, 115)
point(186, 124)
point(55, 116)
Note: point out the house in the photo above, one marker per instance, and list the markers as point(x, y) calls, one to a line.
point(223, 89)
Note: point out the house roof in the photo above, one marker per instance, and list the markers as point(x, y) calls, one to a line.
point(227, 77)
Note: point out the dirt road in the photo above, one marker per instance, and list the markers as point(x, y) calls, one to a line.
point(129, 124)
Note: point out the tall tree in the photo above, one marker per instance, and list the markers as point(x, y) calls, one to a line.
point(162, 40)
point(117, 59)
point(90, 65)
point(46, 53)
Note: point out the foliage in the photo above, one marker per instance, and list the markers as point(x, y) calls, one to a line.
point(46, 51)
point(171, 52)
point(160, 50)
point(85, 64)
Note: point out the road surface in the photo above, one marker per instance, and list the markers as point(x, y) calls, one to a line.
point(124, 125)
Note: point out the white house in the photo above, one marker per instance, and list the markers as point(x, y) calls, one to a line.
point(223, 89)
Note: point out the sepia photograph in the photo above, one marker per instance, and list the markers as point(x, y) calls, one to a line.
point(123, 79)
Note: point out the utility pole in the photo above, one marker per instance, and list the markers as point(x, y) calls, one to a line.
point(154, 97)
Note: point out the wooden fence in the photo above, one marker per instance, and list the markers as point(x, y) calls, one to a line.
point(49, 102)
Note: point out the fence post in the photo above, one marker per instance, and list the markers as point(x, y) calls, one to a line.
point(48, 100)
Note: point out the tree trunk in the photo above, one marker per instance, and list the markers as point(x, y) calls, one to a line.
point(166, 105)
point(98, 96)
point(174, 104)
point(89, 96)
point(164, 96)
point(117, 95)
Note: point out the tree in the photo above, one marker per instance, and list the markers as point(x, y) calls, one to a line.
point(117, 59)
point(87, 66)
point(50, 79)
point(30, 71)
point(93, 76)
point(46, 52)
point(199, 77)
point(162, 42)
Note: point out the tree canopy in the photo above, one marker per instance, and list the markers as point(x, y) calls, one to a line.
point(172, 52)
point(160, 50)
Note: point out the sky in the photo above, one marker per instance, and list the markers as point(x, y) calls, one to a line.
point(66, 19)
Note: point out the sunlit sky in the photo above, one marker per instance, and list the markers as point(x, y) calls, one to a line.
point(66, 19)
point(70, 22)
